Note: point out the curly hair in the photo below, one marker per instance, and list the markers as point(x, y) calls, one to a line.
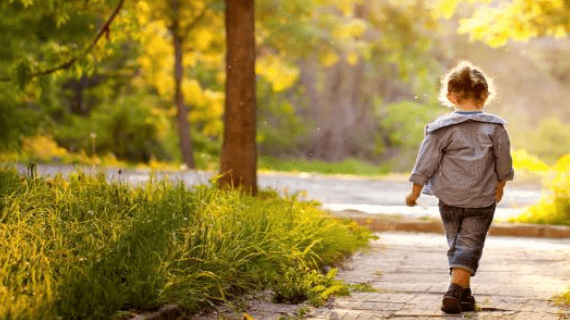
point(467, 82)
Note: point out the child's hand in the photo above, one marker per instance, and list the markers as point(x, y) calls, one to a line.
point(499, 190)
point(411, 199)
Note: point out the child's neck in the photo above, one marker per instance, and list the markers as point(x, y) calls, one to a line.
point(468, 105)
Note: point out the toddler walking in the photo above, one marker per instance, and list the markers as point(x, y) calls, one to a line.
point(464, 160)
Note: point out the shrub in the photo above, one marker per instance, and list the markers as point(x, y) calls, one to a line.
point(553, 208)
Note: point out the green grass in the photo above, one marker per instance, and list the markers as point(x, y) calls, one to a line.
point(363, 287)
point(83, 248)
point(349, 166)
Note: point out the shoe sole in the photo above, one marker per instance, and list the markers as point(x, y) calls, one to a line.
point(451, 305)
point(468, 308)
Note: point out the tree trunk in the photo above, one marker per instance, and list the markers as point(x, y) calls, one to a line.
point(183, 122)
point(239, 150)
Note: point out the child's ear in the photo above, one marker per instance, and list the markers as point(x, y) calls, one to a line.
point(451, 97)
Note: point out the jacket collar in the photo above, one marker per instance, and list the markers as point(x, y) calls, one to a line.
point(454, 118)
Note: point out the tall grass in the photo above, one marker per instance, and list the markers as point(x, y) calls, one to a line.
point(83, 248)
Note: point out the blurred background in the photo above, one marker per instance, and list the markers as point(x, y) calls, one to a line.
point(343, 86)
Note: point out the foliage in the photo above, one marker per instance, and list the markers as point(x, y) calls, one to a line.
point(280, 130)
point(298, 284)
point(405, 121)
point(564, 298)
point(201, 30)
point(550, 141)
point(15, 119)
point(49, 36)
point(136, 59)
point(553, 208)
point(85, 248)
point(403, 126)
point(523, 161)
point(519, 20)
point(128, 127)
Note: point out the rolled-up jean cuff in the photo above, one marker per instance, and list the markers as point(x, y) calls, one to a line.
point(462, 267)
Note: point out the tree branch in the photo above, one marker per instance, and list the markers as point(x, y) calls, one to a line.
point(103, 31)
point(195, 22)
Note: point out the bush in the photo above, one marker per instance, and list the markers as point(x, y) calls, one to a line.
point(555, 207)
point(16, 119)
point(128, 128)
point(83, 248)
point(550, 141)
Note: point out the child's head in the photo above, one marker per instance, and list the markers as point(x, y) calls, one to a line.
point(465, 85)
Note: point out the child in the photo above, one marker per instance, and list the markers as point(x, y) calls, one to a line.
point(465, 161)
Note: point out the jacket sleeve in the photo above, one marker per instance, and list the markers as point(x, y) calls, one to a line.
point(502, 151)
point(427, 161)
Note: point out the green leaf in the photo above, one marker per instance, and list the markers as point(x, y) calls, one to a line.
point(22, 74)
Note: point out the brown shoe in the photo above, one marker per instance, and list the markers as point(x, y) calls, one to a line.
point(468, 303)
point(451, 302)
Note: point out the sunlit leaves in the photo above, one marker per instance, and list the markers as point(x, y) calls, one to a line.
point(354, 28)
point(209, 113)
point(201, 30)
point(446, 8)
point(522, 160)
point(280, 74)
point(519, 20)
point(193, 92)
point(352, 58)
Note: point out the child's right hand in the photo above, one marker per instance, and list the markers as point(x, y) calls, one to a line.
point(499, 190)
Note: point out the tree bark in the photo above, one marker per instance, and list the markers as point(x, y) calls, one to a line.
point(183, 122)
point(239, 150)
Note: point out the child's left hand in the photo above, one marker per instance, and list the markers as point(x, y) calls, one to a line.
point(499, 190)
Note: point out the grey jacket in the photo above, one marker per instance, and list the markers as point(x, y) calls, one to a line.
point(462, 157)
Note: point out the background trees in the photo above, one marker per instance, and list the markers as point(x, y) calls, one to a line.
point(334, 80)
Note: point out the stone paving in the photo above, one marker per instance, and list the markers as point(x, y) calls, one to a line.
point(517, 279)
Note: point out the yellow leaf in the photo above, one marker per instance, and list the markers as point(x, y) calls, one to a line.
point(560, 32)
point(345, 7)
point(498, 40)
point(192, 92)
point(352, 59)
point(563, 164)
point(281, 75)
point(221, 77)
point(329, 59)
point(142, 11)
point(446, 8)
point(164, 84)
point(213, 128)
point(203, 39)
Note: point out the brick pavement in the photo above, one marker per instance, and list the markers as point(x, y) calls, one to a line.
point(517, 279)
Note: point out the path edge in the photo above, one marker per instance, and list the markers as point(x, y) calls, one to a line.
point(377, 223)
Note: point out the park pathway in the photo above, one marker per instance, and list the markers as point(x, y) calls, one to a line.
point(517, 279)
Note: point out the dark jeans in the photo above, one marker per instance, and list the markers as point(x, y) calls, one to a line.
point(466, 230)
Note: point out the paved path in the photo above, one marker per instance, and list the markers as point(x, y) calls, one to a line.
point(517, 279)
